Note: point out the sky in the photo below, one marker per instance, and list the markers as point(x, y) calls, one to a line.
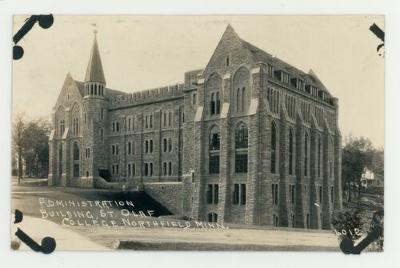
point(142, 52)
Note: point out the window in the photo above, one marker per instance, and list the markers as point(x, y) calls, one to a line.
point(129, 149)
point(273, 148)
point(291, 153)
point(117, 126)
point(332, 194)
point(292, 193)
point(238, 92)
point(305, 154)
point(275, 190)
point(169, 169)
point(76, 151)
point(212, 193)
point(227, 61)
point(212, 217)
point(101, 134)
point(151, 146)
point(293, 221)
point(275, 220)
point(241, 146)
point(194, 98)
point(169, 118)
point(146, 169)
point(239, 194)
point(62, 127)
point(151, 169)
point(165, 119)
point(151, 121)
point(129, 170)
point(87, 153)
point(165, 168)
point(214, 151)
point(164, 144)
point(215, 103)
point(218, 108)
point(319, 156)
point(169, 145)
point(146, 142)
point(76, 170)
point(212, 104)
point(269, 70)
point(320, 194)
point(114, 169)
point(102, 113)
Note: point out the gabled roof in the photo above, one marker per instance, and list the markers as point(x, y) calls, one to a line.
point(94, 71)
point(260, 55)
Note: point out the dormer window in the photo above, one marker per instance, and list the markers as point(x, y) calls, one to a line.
point(321, 94)
point(308, 88)
point(270, 70)
point(285, 78)
point(300, 84)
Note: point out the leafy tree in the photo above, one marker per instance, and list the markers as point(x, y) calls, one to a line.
point(357, 154)
point(30, 145)
point(36, 150)
point(19, 126)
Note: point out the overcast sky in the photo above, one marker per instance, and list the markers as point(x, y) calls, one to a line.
point(146, 52)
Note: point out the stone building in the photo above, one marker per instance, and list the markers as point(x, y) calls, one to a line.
point(249, 139)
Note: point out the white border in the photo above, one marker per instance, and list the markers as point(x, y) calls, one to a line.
point(391, 9)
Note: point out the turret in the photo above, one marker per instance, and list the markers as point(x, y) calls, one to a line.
point(95, 83)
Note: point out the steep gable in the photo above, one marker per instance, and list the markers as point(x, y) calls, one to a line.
point(229, 54)
point(71, 91)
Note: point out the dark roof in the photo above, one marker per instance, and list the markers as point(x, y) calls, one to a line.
point(79, 84)
point(94, 71)
point(264, 57)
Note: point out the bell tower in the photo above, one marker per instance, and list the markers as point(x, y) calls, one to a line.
point(95, 118)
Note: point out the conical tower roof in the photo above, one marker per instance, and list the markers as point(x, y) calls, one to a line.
point(94, 71)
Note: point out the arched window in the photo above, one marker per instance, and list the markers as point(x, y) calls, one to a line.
point(214, 146)
point(241, 82)
point(62, 127)
point(165, 144)
point(273, 148)
point(306, 154)
point(241, 148)
point(291, 152)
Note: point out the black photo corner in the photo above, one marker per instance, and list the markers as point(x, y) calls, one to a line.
point(44, 21)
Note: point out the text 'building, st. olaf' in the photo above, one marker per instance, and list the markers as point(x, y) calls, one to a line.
point(249, 139)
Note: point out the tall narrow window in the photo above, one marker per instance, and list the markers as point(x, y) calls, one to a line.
point(212, 193)
point(169, 169)
point(76, 151)
point(241, 149)
point(212, 104)
point(214, 151)
point(243, 98)
point(239, 194)
point(305, 154)
point(164, 144)
point(319, 156)
point(290, 152)
point(275, 192)
point(169, 145)
point(273, 148)
point(238, 100)
point(218, 104)
point(101, 134)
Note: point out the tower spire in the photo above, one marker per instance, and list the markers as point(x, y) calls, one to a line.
point(94, 71)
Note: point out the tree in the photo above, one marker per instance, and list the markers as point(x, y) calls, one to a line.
point(36, 149)
point(19, 126)
point(357, 154)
